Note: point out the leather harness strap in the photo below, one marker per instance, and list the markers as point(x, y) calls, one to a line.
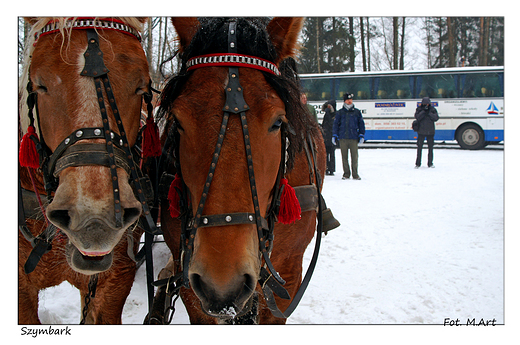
point(91, 154)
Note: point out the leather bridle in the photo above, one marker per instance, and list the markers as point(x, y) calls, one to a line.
point(235, 105)
point(114, 153)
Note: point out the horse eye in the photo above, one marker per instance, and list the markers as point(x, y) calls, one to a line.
point(140, 90)
point(40, 89)
point(178, 126)
point(276, 126)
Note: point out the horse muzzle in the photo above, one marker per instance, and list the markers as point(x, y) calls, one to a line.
point(224, 303)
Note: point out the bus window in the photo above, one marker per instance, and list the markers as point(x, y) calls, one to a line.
point(437, 86)
point(359, 87)
point(317, 89)
point(483, 85)
point(395, 87)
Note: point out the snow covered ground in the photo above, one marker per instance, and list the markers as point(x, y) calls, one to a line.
point(415, 246)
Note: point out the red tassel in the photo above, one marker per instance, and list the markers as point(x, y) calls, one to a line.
point(290, 210)
point(174, 197)
point(151, 141)
point(28, 156)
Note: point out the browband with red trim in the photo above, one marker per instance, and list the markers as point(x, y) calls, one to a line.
point(234, 60)
point(89, 23)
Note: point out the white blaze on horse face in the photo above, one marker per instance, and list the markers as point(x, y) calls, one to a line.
point(87, 112)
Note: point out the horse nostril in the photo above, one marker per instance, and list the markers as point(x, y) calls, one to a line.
point(60, 218)
point(197, 285)
point(247, 289)
point(131, 214)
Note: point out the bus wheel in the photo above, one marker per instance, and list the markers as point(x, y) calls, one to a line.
point(471, 137)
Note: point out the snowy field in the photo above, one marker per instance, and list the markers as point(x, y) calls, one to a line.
point(415, 247)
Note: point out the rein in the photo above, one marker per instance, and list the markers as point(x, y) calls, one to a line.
point(115, 153)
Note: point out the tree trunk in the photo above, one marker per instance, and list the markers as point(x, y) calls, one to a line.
point(318, 58)
point(352, 44)
point(485, 47)
point(401, 60)
point(395, 42)
point(368, 43)
point(363, 51)
point(451, 44)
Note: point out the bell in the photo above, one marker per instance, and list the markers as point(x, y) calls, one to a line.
point(329, 222)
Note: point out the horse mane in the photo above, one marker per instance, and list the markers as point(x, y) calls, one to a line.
point(252, 39)
point(30, 42)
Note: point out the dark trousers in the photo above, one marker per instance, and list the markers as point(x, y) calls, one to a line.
point(420, 142)
point(345, 145)
point(331, 158)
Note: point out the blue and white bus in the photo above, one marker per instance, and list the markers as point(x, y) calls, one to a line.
point(469, 100)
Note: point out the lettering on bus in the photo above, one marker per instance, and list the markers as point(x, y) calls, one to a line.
point(392, 124)
point(457, 101)
point(391, 105)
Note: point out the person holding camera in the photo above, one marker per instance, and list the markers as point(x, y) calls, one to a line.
point(426, 116)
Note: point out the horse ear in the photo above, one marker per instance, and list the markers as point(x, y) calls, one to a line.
point(186, 28)
point(284, 32)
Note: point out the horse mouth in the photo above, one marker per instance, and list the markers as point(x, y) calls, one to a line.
point(88, 262)
point(233, 313)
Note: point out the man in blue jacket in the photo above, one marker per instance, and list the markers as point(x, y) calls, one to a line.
point(349, 129)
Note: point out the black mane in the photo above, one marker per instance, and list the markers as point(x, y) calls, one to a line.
point(252, 39)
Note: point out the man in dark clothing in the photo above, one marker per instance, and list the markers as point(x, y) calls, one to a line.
point(328, 121)
point(349, 129)
point(426, 115)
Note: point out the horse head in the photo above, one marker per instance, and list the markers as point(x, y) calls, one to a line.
point(229, 105)
point(68, 104)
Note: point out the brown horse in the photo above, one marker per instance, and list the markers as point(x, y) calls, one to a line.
point(231, 109)
point(93, 202)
